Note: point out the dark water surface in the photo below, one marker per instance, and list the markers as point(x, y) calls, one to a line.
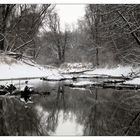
point(67, 111)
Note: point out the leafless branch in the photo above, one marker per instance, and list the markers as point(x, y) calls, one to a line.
point(21, 46)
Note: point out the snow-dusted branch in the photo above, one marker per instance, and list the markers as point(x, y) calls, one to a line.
point(23, 45)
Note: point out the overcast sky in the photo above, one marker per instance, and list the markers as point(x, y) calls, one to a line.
point(69, 14)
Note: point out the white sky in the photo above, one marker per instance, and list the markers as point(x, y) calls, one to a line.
point(70, 13)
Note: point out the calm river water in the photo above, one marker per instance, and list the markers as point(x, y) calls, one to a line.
point(67, 111)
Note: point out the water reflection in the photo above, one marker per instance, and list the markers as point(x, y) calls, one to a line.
point(67, 111)
point(18, 119)
point(91, 122)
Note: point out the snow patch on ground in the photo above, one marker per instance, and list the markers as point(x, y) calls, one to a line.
point(118, 71)
point(75, 67)
point(135, 81)
point(12, 68)
point(23, 71)
point(68, 76)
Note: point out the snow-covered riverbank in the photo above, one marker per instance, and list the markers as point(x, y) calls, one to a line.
point(11, 68)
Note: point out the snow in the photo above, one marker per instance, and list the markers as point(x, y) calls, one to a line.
point(117, 71)
point(82, 83)
point(135, 81)
point(23, 71)
point(75, 67)
point(68, 76)
point(11, 68)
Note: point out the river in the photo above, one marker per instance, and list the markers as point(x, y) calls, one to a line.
point(71, 111)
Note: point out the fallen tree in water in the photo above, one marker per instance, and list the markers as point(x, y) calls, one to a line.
point(114, 84)
point(113, 81)
point(105, 86)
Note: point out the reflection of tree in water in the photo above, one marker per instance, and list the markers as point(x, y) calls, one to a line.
point(59, 103)
point(104, 112)
point(72, 104)
point(126, 107)
point(91, 122)
point(3, 131)
point(16, 119)
point(117, 114)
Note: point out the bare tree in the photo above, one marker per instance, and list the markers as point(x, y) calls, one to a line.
point(58, 38)
point(21, 26)
point(115, 28)
point(93, 19)
point(5, 12)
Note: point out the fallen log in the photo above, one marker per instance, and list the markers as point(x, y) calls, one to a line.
point(77, 72)
point(85, 85)
point(21, 78)
point(106, 85)
point(121, 86)
point(113, 81)
point(99, 77)
point(46, 79)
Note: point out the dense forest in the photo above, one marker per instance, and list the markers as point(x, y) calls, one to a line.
point(106, 35)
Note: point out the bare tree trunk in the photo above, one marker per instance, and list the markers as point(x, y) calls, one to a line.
point(59, 53)
point(6, 9)
point(4, 17)
point(64, 46)
point(97, 39)
point(97, 57)
point(94, 24)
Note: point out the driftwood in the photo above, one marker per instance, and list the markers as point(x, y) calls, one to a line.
point(78, 72)
point(114, 79)
point(105, 85)
point(123, 86)
point(46, 79)
point(113, 82)
point(21, 78)
point(101, 76)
